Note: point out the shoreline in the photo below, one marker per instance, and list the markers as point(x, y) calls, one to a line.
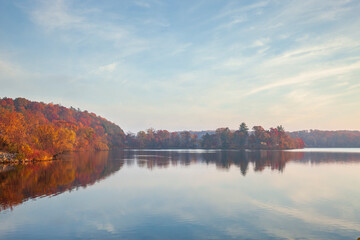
point(6, 157)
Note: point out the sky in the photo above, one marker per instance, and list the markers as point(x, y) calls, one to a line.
point(194, 65)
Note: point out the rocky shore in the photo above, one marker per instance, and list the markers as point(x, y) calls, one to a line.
point(6, 157)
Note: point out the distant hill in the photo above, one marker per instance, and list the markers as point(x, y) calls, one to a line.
point(318, 138)
point(36, 130)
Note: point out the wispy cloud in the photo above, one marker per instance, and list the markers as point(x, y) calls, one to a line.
point(142, 4)
point(307, 77)
point(108, 68)
point(157, 22)
point(9, 70)
point(229, 60)
point(231, 10)
point(56, 14)
point(233, 22)
point(311, 52)
point(310, 12)
point(181, 48)
point(63, 18)
point(260, 42)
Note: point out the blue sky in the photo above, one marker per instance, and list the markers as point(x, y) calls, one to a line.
point(188, 64)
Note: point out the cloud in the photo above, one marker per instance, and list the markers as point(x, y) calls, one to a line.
point(9, 70)
point(215, 54)
point(77, 26)
point(355, 86)
point(312, 52)
point(142, 4)
point(260, 42)
point(55, 14)
point(312, 12)
point(235, 21)
point(108, 68)
point(157, 22)
point(231, 10)
point(234, 63)
point(307, 77)
point(181, 48)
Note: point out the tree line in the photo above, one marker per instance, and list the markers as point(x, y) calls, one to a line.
point(222, 138)
point(318, 138)
point(35, 130)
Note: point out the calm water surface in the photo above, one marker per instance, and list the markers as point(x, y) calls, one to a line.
point(184, 194)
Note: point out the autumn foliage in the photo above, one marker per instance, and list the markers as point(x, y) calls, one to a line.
point(222, 138)
point(22, 182)
point(36, 130)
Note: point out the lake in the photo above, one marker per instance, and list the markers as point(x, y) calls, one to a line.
point(184, 194)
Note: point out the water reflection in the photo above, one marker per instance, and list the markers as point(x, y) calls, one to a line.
point(183, 194)
point(275, 160)
point(19, 183)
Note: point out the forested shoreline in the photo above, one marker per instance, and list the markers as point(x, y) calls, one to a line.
point(222, 138)
point(328, 139)
point(37, 131)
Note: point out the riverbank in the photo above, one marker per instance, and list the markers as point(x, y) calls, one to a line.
point(6, 157)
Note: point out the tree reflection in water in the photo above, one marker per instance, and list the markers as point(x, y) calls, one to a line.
point(275, 160)
point(19, 183)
